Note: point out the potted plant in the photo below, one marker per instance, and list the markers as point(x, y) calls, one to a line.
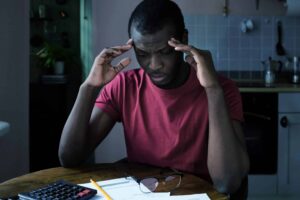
point(53, 56)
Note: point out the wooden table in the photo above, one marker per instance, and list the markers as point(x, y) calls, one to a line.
point(190, 184)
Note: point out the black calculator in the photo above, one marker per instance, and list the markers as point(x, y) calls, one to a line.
point(59, 190)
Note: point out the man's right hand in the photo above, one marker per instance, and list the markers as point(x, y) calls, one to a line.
point(102, 70)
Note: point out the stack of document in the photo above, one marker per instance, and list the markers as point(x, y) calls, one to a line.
point(127, 188)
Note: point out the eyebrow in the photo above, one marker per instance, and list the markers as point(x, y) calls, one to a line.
point(163, 48)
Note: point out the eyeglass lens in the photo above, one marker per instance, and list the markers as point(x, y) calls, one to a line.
point(165, 184)
point(148, 184)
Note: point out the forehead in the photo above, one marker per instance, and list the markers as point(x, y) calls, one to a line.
point(159, 39)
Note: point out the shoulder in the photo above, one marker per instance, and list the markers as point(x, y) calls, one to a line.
point(228, 85)
point(232, 97)
point(125, 77)
point(226, 82)
point(231, 91)
point(132, 75)
point(125, 81)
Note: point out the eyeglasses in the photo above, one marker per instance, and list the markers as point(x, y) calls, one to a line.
point(165, 181)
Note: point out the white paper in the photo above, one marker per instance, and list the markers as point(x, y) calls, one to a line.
point(188, 197)
point(128, 189)
point(123, 189)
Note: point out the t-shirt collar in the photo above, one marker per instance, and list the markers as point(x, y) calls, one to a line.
point(186, 87)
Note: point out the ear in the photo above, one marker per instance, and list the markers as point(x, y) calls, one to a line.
point(185, 37)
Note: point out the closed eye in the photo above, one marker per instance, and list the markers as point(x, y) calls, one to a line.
point(141, 53)
point(167, 51)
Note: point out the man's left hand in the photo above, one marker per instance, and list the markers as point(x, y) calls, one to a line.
point(201, 60)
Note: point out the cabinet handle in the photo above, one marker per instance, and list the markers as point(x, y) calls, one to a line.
point(284, 122)
point(259, 116)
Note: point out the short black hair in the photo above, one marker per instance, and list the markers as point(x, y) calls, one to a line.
point(151, 15)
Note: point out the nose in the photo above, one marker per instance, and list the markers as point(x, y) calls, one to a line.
point(155, 62)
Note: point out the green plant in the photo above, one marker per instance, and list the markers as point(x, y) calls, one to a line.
point(51, 53)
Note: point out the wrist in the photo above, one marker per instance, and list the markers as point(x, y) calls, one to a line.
point(89, 89)
point(91, 86)
point(214, 89)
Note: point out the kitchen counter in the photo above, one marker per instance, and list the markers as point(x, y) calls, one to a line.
point(259, 86)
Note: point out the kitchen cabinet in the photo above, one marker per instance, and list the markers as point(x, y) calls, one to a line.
point(260, 129)
point(48, 113)
point(286, 179)
point(289, 144)
point(52, 96)
point(54, 36)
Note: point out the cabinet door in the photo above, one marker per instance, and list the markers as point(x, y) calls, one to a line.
point(47, 117)
point(289, 153)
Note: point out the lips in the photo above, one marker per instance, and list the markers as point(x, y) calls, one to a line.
point(157, 77)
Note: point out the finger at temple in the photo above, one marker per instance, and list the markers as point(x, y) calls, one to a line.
point(109, 52)
point(122, 48)
point(188, 49)
point(174, 40)
point(189, 59)
point(174, 43)
point(180, 47)
point(109, 56)
point(184, 47)
point(130, 41)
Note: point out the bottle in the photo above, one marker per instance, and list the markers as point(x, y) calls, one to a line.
point(269, 77)
point(269, 72)
point(42, 11)
point(295, 76)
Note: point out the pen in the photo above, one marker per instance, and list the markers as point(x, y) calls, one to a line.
point(107, 197)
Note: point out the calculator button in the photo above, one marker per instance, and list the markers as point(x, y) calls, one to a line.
point(60, 190)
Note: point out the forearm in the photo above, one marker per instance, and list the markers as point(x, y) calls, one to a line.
point(73, 148)
point(227, 157)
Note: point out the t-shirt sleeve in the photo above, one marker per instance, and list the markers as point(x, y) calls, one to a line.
point(108, 99)
point(233, 100)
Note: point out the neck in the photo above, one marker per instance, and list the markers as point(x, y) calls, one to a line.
point(181, 76)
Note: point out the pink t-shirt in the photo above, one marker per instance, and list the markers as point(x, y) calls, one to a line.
point(166, 128)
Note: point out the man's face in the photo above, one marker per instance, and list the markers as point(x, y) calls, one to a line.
point(159, 60)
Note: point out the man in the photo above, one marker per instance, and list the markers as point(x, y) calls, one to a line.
point(175, 114)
